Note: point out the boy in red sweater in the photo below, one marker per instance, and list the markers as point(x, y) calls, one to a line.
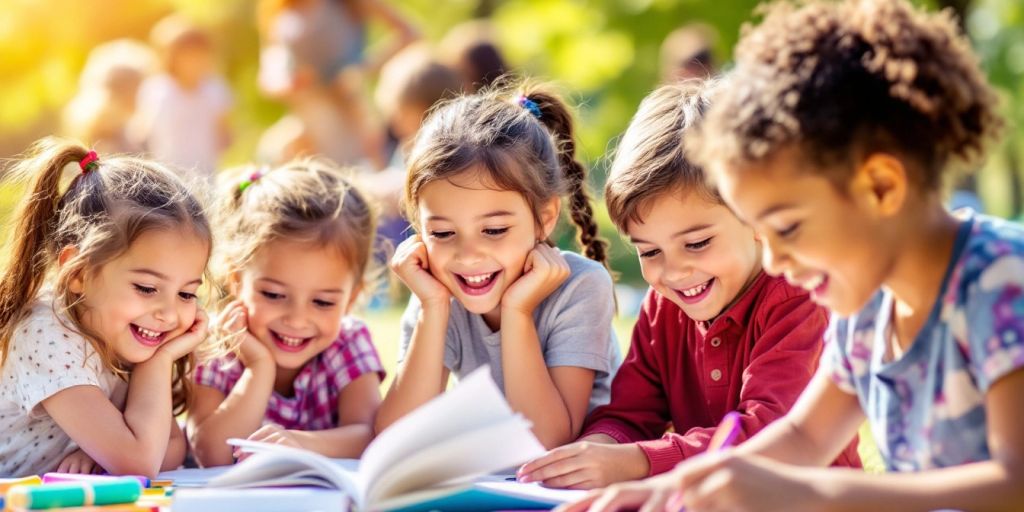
point(715, 333)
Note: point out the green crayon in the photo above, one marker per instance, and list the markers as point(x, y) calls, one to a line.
point(74, 494)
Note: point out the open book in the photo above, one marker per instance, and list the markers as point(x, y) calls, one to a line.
point(435, 458)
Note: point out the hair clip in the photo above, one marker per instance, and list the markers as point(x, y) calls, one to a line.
point(89, 162)
point(253, 178)
point(529, 104)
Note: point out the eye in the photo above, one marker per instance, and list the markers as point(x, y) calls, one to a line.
point(650, 254)
point(187, 296)
point(323, 303)
point(495, 231)
point(442, 235)
point(695, 246)
point(145, 290)
point(789, 231)
point(272, 295)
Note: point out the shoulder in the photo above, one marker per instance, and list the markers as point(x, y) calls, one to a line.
point(992, 256)
point(43, 323)
point(585, 271)
point(773, 295)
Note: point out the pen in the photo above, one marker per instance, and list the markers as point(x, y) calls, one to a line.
point(724, 437)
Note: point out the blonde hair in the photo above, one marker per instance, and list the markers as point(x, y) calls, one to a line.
point(842, 79)
point(102, 212)
point(519, 152)
point(307, 201)
point(650, 159)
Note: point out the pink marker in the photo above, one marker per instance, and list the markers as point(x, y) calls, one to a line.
point(54, 478)
point(724, 437)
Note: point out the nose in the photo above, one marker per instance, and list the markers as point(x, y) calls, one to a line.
point(167, 314)
point(467, 252)
point(295, 317)
point(676, 272)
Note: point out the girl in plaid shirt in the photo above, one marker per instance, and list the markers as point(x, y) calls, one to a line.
point(295, 246)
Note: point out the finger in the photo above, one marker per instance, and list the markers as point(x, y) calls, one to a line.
point(618, 497)
point(530, 260)
point(87, 466)
point(73, 465)
point(659, 502)
point(556, 469)
point(552, 456)
point(63, 466)
point(580, 505)
point(569, 479)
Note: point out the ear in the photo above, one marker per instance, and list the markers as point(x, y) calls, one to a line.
point(76, 285)
point(549, 216)
point(880, 184)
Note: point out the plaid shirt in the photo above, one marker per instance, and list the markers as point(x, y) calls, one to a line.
point(315, 403)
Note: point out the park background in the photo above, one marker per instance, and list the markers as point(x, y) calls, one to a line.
point(603, 54)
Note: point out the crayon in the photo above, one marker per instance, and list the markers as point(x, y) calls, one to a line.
point(74, 494)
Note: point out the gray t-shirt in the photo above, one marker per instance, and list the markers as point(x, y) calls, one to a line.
point(574, 325)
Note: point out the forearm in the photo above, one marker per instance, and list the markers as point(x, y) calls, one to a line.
point(785, 442)
point(533, 392)
point(240, 414)
point(149, 397)
point(346, 442)
point(983, 486)
point(422, 375)
point(176, 449)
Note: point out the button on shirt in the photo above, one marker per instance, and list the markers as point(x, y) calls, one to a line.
point(755, 358)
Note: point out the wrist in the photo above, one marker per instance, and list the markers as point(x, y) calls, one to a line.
point(519, 312)
point(639, 466)
point(435, 308)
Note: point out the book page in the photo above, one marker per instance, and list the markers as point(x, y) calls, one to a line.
point(474, 403)
point(491, 448)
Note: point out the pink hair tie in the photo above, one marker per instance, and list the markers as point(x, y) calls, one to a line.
point(89, 162)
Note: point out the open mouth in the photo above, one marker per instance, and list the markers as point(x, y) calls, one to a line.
point(697, 293)
point(817, 286)
point(147, 337)
point(289, 343)
point(477, 284)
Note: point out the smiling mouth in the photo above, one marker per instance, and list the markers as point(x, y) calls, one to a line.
point(477, 284)
point(695, 294)
point(289, 343)
point(147, 337)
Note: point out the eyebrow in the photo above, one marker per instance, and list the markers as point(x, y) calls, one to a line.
point(775, 209)
point(495, 213)
point(691, 229)
point(162, 277)
point(279, 283)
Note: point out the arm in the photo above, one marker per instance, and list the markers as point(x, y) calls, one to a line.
point(357, 406)
point(176, 448)
point(552, 389)
point(782, 362)
point(215, 417)
point(422, 374)
point(395, 21)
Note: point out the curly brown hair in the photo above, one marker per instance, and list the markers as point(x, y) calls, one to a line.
point(850, 78)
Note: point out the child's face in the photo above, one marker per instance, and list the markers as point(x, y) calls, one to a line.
point(192, 64)
point(296, 295)
point(695, 252)
point(826, 241)
point(477, 238)
point(146, 296)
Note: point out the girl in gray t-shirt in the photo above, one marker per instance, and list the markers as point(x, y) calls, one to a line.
point(487, 174)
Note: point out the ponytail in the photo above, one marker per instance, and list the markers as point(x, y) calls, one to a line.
point(555, 116)
point(33, 247)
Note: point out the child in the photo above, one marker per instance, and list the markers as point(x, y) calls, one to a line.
point(832, 139)
point(296, 246)
point(181, 115)
point(715, 333)
point(107, 88)
point(686, 53)
point(98, 315)
point(486, 178)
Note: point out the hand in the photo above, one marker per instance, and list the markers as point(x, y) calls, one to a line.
point(719, 481)
point(79, 463)
point(274, 434)
point(411, 265)
point(187, 341)
point(587, 465)
point(544, 271)
point(234, 321)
